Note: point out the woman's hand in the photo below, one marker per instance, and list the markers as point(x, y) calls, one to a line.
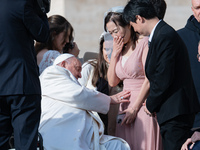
point(122, 97)
point(117, 46)
point(147, 111)
point(130, 116)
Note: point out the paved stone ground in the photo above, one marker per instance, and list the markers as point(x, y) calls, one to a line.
point(86, 16)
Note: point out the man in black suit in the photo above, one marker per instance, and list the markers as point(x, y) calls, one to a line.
point(21, 21)
point(191, 37)
point(172, 94)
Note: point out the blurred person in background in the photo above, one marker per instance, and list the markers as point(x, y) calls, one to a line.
point(61, 32)
point(71, 47)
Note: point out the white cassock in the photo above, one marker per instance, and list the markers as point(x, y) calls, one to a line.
point(67, 121)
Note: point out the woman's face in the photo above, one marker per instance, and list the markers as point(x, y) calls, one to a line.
point(116, 30)
point(60, 41)
point(105, 53)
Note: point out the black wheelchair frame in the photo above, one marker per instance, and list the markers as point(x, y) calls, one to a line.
point(39, 142)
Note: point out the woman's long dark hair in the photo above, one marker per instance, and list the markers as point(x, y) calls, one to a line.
point(101, 67)
point(57, 24)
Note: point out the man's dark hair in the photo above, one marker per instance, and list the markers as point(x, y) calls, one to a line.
point(144, 8)
point(160, 8)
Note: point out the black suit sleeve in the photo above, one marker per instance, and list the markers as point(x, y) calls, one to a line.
point(36, 22)
point(164, 58)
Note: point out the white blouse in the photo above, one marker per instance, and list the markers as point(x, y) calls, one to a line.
point(48, 59)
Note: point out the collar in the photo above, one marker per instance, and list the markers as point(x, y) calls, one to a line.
point(152, 32)
point(193, 24)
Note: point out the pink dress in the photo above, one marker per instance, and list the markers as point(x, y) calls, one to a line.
point(144, 132)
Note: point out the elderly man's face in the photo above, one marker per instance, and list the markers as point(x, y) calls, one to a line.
point(75, 67)
point(196, 9)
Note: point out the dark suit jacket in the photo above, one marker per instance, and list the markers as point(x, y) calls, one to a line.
point(20, 24)
point(172, 91)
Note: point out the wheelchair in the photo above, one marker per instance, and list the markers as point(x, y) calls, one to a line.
point(39, 143)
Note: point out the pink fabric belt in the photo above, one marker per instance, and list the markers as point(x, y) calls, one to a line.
point(133, 84)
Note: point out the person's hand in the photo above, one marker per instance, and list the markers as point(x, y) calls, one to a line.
point(117, 46)
point(147, 111)
point(198, 55)
point(130, 116)
point(195, 137)
point(185, 145)
point(122, 97)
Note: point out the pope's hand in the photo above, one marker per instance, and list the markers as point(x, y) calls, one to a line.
point(122, 97)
